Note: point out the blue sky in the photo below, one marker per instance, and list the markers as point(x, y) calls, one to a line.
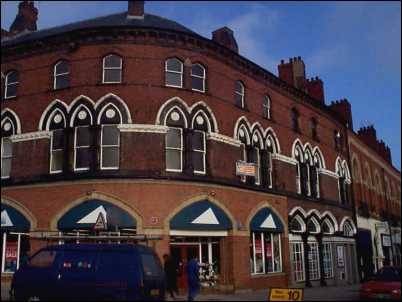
point(354, 47)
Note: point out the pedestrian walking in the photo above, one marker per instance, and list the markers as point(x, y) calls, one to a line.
point(171, 276)
point(193, 278)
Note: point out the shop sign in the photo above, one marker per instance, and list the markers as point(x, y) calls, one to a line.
point(285, 294)
point(11, 254)
point(386, 240)
point(381, 225)
point(245, 169)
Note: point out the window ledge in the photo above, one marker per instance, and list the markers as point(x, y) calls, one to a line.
point(269, 275)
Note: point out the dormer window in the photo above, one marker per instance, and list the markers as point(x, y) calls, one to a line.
point(239, 94)
point(61, 75)
point(11, 84)
point(174, 73)
point(112, 67)
point(198, 78)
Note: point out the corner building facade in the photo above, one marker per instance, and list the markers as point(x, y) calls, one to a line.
point(139, 123)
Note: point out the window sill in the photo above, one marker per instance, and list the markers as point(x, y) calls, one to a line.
point(9, 98)
point(258, 276)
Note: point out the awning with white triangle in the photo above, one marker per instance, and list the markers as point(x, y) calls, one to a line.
point(13, 220)
point(201, 215)
point(96, 213)
point(266, 221)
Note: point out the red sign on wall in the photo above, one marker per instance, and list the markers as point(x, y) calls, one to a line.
point(11, 251)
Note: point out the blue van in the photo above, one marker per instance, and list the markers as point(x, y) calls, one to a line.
point(91, 272)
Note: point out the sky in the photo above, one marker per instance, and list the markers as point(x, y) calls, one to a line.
point(354, 47)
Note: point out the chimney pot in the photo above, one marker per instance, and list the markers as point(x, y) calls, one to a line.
point(135, 10)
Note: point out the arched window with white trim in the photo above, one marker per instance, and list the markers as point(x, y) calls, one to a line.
point(82, 119)
point(176, 121)
point(254, 155)
point(198, 76)
point(11, 84)
point(112, 69)
point(301, 171)
point(272, 148)
point(243, 136)
point(8, 128)
point(174, 73)
point(57, 123)
point(199, 145)
point(61, 75)
point(239, 94)
point(266, 107)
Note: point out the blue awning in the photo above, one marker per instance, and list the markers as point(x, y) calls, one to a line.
point(201, 215)
point(12, 220)
point(88, 213)
point(266, 221)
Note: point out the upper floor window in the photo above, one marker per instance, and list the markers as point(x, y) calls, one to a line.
point(112, 67)
point(198, 78)
point(82, 138)
point(295, 120)
point(343, 181)
point(11, 84)
point(57, 143)
point(200, 126)
point(61, 75)
point(239, 94)
point(7, 130)
point(266, 113)
point(174, 73)
point(348, 229)
point(174, 141)
point(338, 140)
point(313, 128)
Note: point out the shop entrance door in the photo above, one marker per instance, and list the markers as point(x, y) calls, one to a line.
point(181, 254)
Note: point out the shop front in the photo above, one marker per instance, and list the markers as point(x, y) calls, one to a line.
point(198, 231)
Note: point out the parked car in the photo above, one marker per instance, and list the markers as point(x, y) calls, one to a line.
point(385, 285)
point(91, 272)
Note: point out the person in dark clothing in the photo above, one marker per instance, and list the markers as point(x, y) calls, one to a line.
point(171, 275)
point(193, 278)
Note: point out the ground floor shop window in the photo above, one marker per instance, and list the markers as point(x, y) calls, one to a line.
point(327, 260)
point(298, 261)
point(265, 253)
point(15, 247)
point(313, 261)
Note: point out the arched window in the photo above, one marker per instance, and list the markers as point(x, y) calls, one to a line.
point(313, 128)
point(174, 140)
point(174, 73)
point(266, 107)
point(327, 227)
point(239, 94)
point(7, 129)
point(272, 148)
point(57, 124)
point(301, 170)
point(244, 137)
point(348, 229)
point(313, 226)
point(296, 225)
point(254, 155)
point(343, 178)
point(310, 172)
point(314, 175)
point(112, 67)
point(11, 84)
point(110, 118)
point(82, 120)
point(294, 114)
point(198, 141)
point(61, 74)
point(198, 77)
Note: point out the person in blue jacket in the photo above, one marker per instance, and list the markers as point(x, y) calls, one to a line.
point(193, 278)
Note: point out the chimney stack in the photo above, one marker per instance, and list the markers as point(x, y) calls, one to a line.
point(135, 10)
point(293, 73)
point(225, 37)
point(26, 18)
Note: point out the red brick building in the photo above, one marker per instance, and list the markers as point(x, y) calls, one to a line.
point(139, 122)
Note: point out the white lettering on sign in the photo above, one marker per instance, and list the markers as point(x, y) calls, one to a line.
point(245, 169)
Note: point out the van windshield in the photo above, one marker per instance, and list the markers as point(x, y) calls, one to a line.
point(151, 265)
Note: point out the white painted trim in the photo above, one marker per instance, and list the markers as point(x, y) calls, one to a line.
point(293, 237)
point(15, 116)
point(105, 146)
point(337, 239)
point(30, 136)
point(52, 115)
point(112, 68)
point(197, 76)
point(75, 113)
point(51, 155)
point(112, 95)
point(104, 108)
point(78, 98)
point(181, 149)
point(60, 74)
point(301, 210)
point(173, 71)
point(203, 152)
point(330, 215)
point(198, 233)
point(328, 172)
point(205, 117)
point(284, 158)
point(182, 113)
point(143, 128)
point(269, 131)
point(318, 150)
point(347, 218)
point(223, 139)
point(42, 118)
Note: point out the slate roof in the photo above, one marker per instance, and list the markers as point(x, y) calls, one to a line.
point(110, 21)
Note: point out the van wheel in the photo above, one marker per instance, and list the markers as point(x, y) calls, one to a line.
point(34, 298)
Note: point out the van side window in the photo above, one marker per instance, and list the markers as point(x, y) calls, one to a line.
point(150, 265)
point(42, 259)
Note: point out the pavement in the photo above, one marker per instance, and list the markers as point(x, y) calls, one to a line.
point(327, 293)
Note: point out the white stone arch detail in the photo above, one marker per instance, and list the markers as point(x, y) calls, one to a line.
point(316, 222)
point(343, 221)
point(355, 158)
point(237, 125)
point(246, 133)
point(112, 95)
point(259, 136)
point(329, 215)
point(205, 117)
point(338, 164)
point(78, 98)
point(45, 112)
point(300, 209)
point(181, 112)
point(308, 152)
point(346, 170)
point(317, 151)
point(175, 98)
point(49, 120)
point(301, 222)
point(330, 224)
point(270, 131)
point(104, 108)
point(313, 211)
point(77, 110)
point(295, 143)
point(18, 126)
point(202, 103)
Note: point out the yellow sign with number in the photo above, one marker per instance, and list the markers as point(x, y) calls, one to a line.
point(286, 294)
